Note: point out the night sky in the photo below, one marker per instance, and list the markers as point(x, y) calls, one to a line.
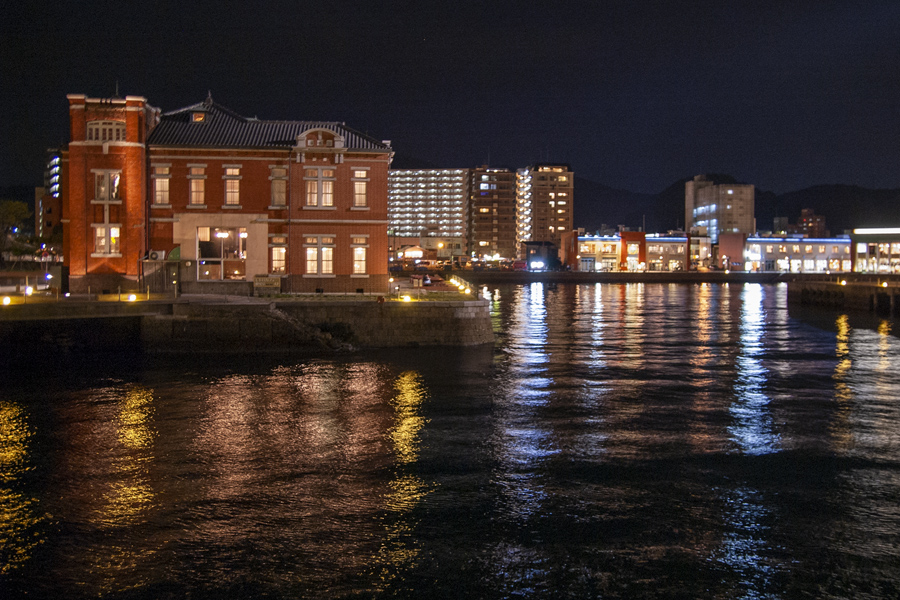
point(633, 95)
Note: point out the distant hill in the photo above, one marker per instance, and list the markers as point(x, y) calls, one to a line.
point(844, 207)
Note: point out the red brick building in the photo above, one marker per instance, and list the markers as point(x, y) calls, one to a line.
point(207, 200)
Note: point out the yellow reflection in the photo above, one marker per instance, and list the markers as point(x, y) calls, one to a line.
point(18, 514)
point(843, 395)
point(406, 492)
point(131, 495)
point(407, 422)
point(135, 419)
point(399, 549)
point(884, 345)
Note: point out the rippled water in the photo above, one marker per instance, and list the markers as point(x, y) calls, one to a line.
point(619, 441)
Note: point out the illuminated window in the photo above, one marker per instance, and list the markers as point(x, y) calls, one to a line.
point(198, 117)
point(232, 179)
point(319, 187)
point(279, 259)
point(107, 205)
point(106, 239)
point(107, 186)
point(160, 184)
point(319, 255)
point(278, 177)
point(221, 253)
point(197, 178)
point(359, 260)
point(360, 184)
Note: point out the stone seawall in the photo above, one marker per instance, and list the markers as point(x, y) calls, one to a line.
point(227, 326)
point(311, 325)
point(873, 296)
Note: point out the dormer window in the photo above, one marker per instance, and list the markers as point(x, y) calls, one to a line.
point(198, 117)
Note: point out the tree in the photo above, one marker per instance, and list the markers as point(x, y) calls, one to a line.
point(12, 214)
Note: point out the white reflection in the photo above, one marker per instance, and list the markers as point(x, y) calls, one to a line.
point(752, 424)
point(744, 542)
point(521, 443)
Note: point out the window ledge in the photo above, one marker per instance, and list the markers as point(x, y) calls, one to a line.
point(359, 208)
point(280, 207)
point(319, 208)
point(232, 207)
point(316, 276)
point(359, 276)
point(196, 206)
point(111, 255)
point(160, 206)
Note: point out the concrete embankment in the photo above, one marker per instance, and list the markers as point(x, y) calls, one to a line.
point(878, 296)
point(231, 325)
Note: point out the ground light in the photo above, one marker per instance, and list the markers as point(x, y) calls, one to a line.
point(6, 300)
point(406, 298)
point(132, 297)
point(843, 282)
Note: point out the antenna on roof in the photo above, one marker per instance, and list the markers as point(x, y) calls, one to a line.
point(117, 90)
point(209, 99)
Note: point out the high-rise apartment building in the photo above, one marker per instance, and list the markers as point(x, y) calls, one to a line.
point(544, 195)
point(47, 200)
point(720, 208)
point(428, 202)
point(492, 213)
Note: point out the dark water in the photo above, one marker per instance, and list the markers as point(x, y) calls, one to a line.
point(620, 441)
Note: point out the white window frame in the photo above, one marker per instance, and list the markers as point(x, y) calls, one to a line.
point(198, 189)
point(161, 176)
point(319, 188)
point(232, 180)
point(360, 182)
point(359, 242)
point(107, 234)
point(105, 131)
point(278, 175)
point(318, 251)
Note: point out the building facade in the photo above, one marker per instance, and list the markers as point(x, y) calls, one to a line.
point(544, 197)
point(430, 204)
point(720, 208)
point(206, 200)
point(797, 254)
point(492, 214)
point(48, 199)
point(876, 250)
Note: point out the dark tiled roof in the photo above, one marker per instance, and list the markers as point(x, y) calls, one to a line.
point(226, 129)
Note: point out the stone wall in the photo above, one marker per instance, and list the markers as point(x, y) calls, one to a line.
point(335, 325)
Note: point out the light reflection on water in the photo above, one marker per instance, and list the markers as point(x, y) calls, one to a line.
point(637, 440)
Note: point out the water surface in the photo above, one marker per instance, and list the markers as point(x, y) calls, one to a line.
point(619, 441)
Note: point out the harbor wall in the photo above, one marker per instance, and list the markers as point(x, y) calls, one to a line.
point(873, 296)
point(229, 327)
